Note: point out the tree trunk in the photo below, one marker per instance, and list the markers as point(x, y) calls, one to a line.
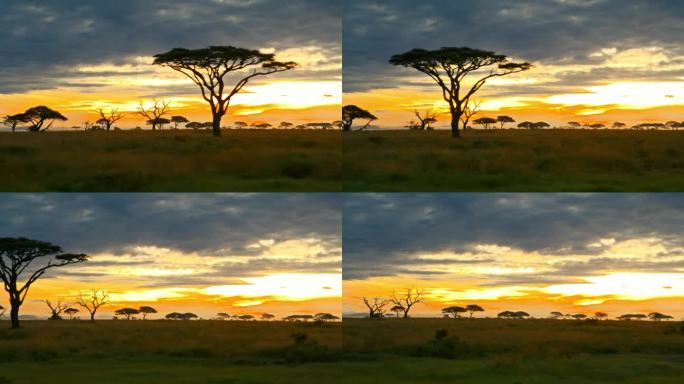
point(92, 316)
point(14, 314)
point(454, 124)
point(216, 125)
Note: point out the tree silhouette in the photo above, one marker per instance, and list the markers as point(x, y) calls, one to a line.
point(241, 124)
point(325, 317)
point(2, 311)
point(127, 312)
point(632, 316)
point(472, 308)
point(657, 316)
point(397, 309)
point(178, 120)
point(579, 316)
point(526, 125)
point(351, 113)
point(12, 121)
point(285, 125)
point(71, 312)
point(556, 315)
point(375, 307)
point(408, 299)
point(92, 301)
point(108, 118)
point(504, 119)
point(56, 309)
point(207, 68)
point(540, 125)
point(38, 116)
point(597, 126)
point(455, 311)
point(246, 317)
point(450, 68)
point(193, 125)
point(17, 255)
point(181, 316)
point(485, 122)
point(469, 110)
point(158, 122)
point(600, 315)
point(618, 125)
point(513, 315)
point(146, 311)
point(425, 120)
point(574, 124)
point(267, 316)
point(155, 112)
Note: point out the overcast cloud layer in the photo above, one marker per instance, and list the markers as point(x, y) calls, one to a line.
point(43, 41)
point(250, 233)
point(545, 32)
point(385, 233)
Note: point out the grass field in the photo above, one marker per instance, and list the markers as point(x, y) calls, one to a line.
point(361, 352)
point(166, 352)
point(171, 161)
point(515, 351)
point(514, 160)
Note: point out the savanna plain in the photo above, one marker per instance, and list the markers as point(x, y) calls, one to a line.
point(514, 161)
point(171, 160)
point(416, 350)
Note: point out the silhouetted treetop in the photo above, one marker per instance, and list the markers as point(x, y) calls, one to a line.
point(37, 116)
point(449, 67)
point(207, 68)
point(353, 112)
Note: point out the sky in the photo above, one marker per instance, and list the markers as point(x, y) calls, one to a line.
point(201, 253)
point(596, 61)
point(79, 55)
point(572, 253)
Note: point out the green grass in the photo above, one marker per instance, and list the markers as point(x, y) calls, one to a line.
point(514, 161)
point(171, 161)
point(360, 351)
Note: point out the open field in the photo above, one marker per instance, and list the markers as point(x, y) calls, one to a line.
point(171, 161)
point(516, 351)
point(166, 351)
point(390, 350)
point(514, 160)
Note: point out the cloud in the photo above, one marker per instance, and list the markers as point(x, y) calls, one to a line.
point(598, 34)
point(182, 239)
point(550, 236)
point(44, 42)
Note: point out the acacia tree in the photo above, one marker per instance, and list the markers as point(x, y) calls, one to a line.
point(108, 118)
point(376, 307)
point(92, 301)
point(450, 67)
point(38, 116)
point(155, 112)
point(619, 125)
point(2, 311)
point(17, 257)
point(12, 121)
point(657, 316)
point(600, 315)
point(454, 311)
point(408, 299)
point(397, 309)
point(267, 316)
point(178, 120)
point(485, 122)
point(208, 67)
point(472, 308)
point(127, 312)
point(56, 309)
point(71, 312)
point(574, 124)
point(424, 120)
point(504, 119)
point(351, 113)
point(146, 311)
point(325, 317)
point(556, 315)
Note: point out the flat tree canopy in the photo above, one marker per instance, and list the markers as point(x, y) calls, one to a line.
point(207, 68)
point(352, 112)
point(37, 116)
point(450, 66)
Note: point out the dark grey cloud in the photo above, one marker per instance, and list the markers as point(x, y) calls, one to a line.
point(540, 31)
point(42, 39)
point(383, 233)
point(206, 224)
